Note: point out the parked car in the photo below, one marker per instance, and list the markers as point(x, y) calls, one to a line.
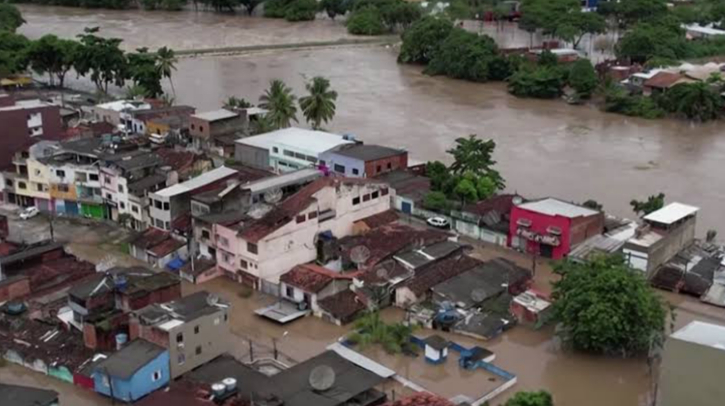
point(439, 222)
point(29, 212)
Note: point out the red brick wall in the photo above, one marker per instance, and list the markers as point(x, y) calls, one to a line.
point(3, 226)
point(14, 289)
point(15, 130)
point(583, 228)
point(396, 162)
point(100, 339)
point(159, 296)
point(148, 333)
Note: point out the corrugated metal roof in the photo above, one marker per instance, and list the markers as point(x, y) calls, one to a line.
point(671, 213)
point(361, 361)
point(698, 332)
point(555, 207)
point(197, 182)
point(215, 115)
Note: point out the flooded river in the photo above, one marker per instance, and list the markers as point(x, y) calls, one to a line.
point(544, 148)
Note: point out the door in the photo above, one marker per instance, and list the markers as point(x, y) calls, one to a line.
point(406, 207)
point(546, 250)
point(71, 208)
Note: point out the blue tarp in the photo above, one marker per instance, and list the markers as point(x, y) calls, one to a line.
point(175, 264)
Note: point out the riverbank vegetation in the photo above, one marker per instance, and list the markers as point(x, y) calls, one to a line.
point(99, 59)
point(605, 307)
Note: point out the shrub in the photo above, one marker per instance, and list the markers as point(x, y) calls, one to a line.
point(276, 8)
point(463, 55)
point(542, 82)
point(583, 78)
point(365, 21)
point(423, 38)
point(301, 10)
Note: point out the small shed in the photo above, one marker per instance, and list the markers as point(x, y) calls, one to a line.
point(436, 349)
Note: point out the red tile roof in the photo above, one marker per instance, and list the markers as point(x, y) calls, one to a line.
point(383, 242)
point(342, 306)
point(178, 160)
point(380, 219)
point(663, 80)
point(440, 271)
point(288, 209)
point(6, 248)
point(421, 399)
point(312, 278)
point(149, 238)
point(166, 247)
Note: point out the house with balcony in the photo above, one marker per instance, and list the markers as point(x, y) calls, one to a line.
point(194, 329)
point(169, 204)
point(287, 149)
point(27, 184)
point(258, 250)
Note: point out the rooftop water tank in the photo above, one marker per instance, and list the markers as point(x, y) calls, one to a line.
point(230, 384)
point(218, 389)
point(121, 340)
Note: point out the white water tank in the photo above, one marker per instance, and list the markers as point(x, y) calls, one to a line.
point(218, 389)
point(230, 384)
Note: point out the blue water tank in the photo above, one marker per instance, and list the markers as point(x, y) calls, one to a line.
point(121, 340)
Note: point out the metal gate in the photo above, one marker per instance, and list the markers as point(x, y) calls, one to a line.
point(268, 287)
point(406, 207)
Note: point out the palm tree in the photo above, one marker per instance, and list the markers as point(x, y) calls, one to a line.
point(166, 63)
point(234, 102)
point(319, 106)
point(280, 102)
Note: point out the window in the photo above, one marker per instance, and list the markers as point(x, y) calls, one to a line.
point(355, 171)
point(63, 188)
point(226, 317)
point(198, 350)
point(300, 219)
point(339, 168)
point(243, 264)
point(290, 292)
point(159, 224)
point(94, 177)
point(227, 258)
point(109, 196)
point(366, 198)
point(120, 188)
point(378, 169)
point(300, 156)
point(384, 192)
point(283, 163)
point(168, 226)
point(60, 173)
point(275, 150)
point(156, 376)
point(205, 234)
point(180, 338)
point(134, 209)
point(39, 187)
point(309, 158)
point(81, 177)
point(312, 215)
point(523, 222)
point(22, 185)
point(181, 359)
point(196, 329)
point(375, 194)
point(193, 127)
point(252, 248)
point(157, 204)
point(390, 165)
point(288, 153)
point(355, 201)
point(166, 206)
point(8, 182)
point(37, 172)
point(224, 241)
point(201, 128)
point(123, 205)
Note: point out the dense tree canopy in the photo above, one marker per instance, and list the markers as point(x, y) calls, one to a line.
point(604, 306)
point(144, 73)
point(653, 203)
point(10, 17)
point(542, 82)
point(301, 10)
point(334, 8)
point(538, 398)
point(53, 56)
point(12, 55)
point(423, 38)
point(366, 21)
point(563, 19)
point(699, 101)
point(475, 155)
point(583, 78)
point(102, 59)
point(463, 55)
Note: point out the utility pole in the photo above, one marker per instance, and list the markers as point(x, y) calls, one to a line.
point(251, 351)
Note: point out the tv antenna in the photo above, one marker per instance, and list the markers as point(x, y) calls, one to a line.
point(359, 255)
point(273, 196)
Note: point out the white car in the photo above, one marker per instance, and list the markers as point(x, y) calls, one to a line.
point(29, 212)
point(438, 222)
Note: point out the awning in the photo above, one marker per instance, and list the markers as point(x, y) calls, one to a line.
point(176, 264)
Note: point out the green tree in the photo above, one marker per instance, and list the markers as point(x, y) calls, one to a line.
point(653, 203)
point(366, 21)
point(166, 64)
point(10, 17)
point(234, 102)
point(423, 38)
point(583, 78)
point(301, 10)
point(593, 204)
point(221, 5)
point(102, 59)
point(466, 191)
point(538, 398)
point(698, 101)
point(334, 8)
point(475, 155)
point(142, 69)
point(463, 55)
point(606, 307)
point(53, 56)
point(663, 38)
point(543, 82)
point(634, 11)
point(280, 102)
point(12, 53)
point(319, 105)
point(250, 5)
point(436, 201)
point(400, 14)
point(371, 329)
point(276, 8)
point(618, 100)
point(438, 174)
point(485, 187)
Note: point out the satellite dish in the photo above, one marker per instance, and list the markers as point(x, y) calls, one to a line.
point(478, 295)
point(212, 300)
point(273, 196)
point(517, 200)
point(322, 378)
point(382, 273)
point(359, 255)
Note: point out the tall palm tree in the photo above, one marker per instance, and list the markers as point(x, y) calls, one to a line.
point(319, 106)
point(280, 102)
point(166, 63)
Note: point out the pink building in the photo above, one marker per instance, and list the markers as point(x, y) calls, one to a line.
point(551, 227)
